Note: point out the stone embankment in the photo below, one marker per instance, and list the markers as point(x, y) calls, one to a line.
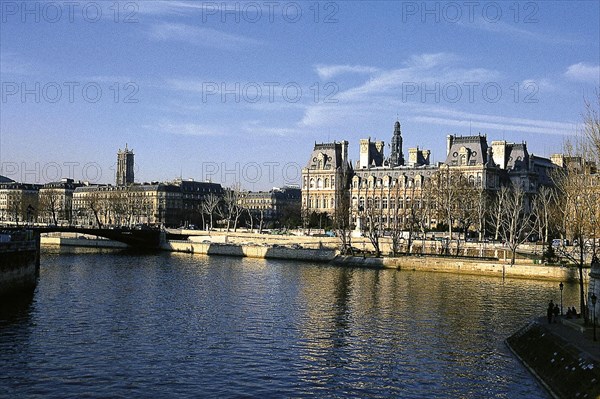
point(474, 266)
point(564, 360)
point(251, 250)
point(483, 267)
point(80, 241)
point(323, 249)
point(20, 266)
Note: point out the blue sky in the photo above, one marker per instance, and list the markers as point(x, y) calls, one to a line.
point(240, 91)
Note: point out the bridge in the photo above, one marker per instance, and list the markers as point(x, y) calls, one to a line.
point(136, 238)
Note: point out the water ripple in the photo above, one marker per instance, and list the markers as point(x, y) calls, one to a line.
point(116, 324)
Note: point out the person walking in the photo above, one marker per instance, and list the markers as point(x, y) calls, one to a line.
point(556, 312)
point(549, 311)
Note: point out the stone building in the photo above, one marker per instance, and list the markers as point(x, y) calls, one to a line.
point(325, 178)
point(193, 194)
point(395, 186)
point(384, 189)
point(125, 165)
point(55, 204)
point(270, 207)
point(171, 204)
point(154, 204)
point(18, 201)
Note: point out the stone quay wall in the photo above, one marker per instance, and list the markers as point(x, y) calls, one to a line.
point(251, 251)
point(20, 266)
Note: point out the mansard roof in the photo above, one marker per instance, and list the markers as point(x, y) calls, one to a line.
point(476, 146)
point(329, 156)
point(517, 156)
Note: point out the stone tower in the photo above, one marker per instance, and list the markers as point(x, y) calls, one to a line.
point(396, 157)
point(124, 167)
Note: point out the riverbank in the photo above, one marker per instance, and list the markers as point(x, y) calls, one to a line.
point(562, 356)
point(251, 251)
point(323, 249)
point(79, 240)
point(20, 266)
point(458, 265)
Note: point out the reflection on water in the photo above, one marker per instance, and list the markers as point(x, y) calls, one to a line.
point(129, 324)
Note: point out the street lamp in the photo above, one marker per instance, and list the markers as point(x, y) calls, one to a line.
point(561, 286)
point(594, 310)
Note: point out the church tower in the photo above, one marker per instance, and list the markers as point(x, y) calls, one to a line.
point(396, 157)
point(124, 167)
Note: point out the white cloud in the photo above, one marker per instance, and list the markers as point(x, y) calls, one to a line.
point(584, 72)
point(504, 28)
point(424, 69)
point(511, 127)
point(430, 60)
point(200, 36)
point(182, 8)
point(185, 129)
point(329, 71)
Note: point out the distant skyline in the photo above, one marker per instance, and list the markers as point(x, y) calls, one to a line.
point(240, 91)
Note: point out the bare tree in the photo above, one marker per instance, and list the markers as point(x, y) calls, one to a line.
point(516, 220)
point(231, 208)
point(497, 209)
point(578, 186)
point(50, 204)
point(395, 227)
point(371, 215)
point(446, 189)
point(482, 209)
point(210, 203)
point(342, 217)
point(95, 204)
point(543, 205)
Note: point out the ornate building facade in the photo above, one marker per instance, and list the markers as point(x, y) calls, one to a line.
point(325, 178)
point(393, 189)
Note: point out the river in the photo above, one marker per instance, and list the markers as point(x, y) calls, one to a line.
point(105, 323)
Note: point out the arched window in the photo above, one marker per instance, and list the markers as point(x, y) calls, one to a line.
point(331, 202)
point(326, 182)
point(319, 183)
point(385, 203)
point(361, 203)
point(312, 183)
point(377, 203)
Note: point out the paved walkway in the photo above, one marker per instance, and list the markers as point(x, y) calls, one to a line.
point(570, 331)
